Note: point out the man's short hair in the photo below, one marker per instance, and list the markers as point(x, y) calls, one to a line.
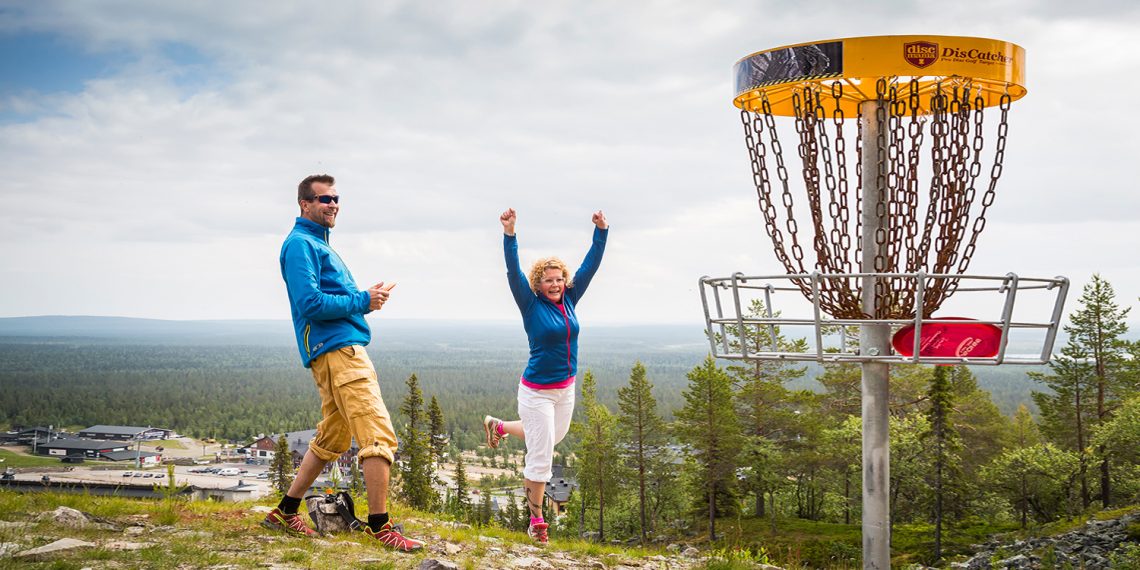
point(305, 188)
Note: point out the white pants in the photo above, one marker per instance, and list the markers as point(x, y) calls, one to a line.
point(545, 416)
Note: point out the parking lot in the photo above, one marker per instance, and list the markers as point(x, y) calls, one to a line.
point(206, 477)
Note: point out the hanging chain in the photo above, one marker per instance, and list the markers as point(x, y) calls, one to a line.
point(903, 243)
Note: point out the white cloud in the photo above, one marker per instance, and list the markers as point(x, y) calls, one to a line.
point(165, 191)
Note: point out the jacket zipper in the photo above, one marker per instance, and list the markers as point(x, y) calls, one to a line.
point(566, 319)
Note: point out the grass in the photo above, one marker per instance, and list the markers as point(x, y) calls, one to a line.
point(13, 459)
point(167, 443)
point(204, 533)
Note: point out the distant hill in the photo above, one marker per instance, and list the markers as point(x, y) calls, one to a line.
point(392, 334)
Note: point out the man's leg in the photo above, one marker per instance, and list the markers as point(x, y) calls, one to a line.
point(376, 474)
point(285, 516)
point(310, 469)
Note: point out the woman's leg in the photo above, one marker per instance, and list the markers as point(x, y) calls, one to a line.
point(514, 428)
point(563, 412)
point(537, 410)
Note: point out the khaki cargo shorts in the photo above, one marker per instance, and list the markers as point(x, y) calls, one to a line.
point(351, 406)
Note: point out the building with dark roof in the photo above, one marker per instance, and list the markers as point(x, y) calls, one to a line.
point(145, 457)
point(559, 490)
point(27, 435)
point(125, 433)
point(263, 448)
point(70, 447)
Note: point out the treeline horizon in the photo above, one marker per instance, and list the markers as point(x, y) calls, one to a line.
point(234, 392)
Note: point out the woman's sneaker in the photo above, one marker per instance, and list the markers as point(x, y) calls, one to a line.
point(291, 524)
point(390, 537)
point(491, 428)
point(537, 532)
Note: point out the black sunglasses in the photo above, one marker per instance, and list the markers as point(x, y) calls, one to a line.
point(327, 199)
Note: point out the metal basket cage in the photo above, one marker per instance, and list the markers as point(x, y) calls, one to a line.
point(734, 332)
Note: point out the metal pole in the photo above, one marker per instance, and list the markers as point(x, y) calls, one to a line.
point(874, 340)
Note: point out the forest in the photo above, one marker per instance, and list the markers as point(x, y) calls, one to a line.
point(667, 440)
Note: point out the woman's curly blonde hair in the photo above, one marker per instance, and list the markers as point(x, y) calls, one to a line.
point(540, 267)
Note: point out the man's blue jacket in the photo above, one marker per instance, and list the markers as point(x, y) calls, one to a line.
point(328, 310)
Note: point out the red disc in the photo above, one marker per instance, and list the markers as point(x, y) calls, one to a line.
point(964, 339)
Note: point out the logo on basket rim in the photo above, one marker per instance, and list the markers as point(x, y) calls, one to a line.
point(920, 54)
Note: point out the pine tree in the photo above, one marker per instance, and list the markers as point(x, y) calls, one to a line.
point(708, 425)
point(1067, 411)
point(599, 462)
point(643, 430)
point(436, 434)
point(485, 508)
point(1025, 432)
point(942, 438)
point(415, 472)
point(356, 479)
point(462, 507)
point(281, 469)
point(1088, 380)
point(1095, 335)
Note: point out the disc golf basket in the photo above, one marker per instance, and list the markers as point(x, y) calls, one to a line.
point(898, 165)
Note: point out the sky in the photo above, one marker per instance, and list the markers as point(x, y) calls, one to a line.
point(152, 149)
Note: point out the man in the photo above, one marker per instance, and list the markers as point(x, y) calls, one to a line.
point(328, 315)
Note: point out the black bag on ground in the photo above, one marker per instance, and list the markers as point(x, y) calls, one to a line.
point(333, 513)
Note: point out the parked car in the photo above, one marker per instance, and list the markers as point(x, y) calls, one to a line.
point(139, 474)
point(147, 475)
point(263, 475)
point(128, 473)
point(229, 471)
point(159, 475)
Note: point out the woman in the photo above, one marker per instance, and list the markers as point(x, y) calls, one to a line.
point(547, 302)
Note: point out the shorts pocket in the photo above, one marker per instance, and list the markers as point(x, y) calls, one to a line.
point(360, 397)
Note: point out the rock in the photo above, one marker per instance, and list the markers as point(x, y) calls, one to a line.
point(451, 548)
point(489, 539)
point(691, 552)
point(66, 516)
point(674, 548)
point(531, 563)
point(261, 509)
point(12, 524)
point(7, 548)
point(433, 564)
point(124, 545)
point(61, 545)
point(769, 567)
point(134, 530)
point(194, 533)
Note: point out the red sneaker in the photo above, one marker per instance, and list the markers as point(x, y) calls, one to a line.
point(390, 537)
point(291, 524)
point(537, 531)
